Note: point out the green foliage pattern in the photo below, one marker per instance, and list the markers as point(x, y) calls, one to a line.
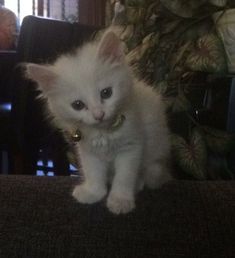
point(172, 45)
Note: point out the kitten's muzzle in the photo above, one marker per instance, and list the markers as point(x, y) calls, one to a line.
point(99, 115)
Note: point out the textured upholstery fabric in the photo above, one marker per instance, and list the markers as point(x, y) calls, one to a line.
point(39, 219)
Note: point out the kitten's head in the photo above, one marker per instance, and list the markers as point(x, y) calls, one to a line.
point(90, 87)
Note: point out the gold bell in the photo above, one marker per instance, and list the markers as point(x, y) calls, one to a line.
point(76, 137)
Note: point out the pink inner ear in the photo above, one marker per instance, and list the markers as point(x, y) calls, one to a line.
point(110, 48)
point(41, 74)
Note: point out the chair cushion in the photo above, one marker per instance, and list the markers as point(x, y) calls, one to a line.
point(39, 218)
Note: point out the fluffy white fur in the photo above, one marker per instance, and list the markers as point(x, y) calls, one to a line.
point(126, 158)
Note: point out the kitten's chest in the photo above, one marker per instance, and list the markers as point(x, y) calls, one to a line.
point(106, 144)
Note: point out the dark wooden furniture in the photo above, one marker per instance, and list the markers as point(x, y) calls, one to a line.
point(7, 64)
point(231, 108)
point(41, 40)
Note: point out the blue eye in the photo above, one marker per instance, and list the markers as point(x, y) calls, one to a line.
point(106, 93)
point(78, 105)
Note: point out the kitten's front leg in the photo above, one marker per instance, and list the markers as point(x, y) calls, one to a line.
point(94, 187)
point(121, 198)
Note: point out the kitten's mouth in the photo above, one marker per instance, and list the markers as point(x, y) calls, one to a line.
point(113, 123)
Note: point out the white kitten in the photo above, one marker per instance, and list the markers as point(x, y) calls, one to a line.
point(123, 127)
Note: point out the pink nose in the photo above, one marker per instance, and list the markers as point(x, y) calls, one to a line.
point(98, 115)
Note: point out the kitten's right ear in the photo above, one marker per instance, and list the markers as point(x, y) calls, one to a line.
point(110, 48)
point(41, 74)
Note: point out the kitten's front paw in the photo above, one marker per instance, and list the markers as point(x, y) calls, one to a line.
point(120, 204)
point(84, 194)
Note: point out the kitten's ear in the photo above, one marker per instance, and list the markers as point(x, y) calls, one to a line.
point(110, 48)
point(41, 74)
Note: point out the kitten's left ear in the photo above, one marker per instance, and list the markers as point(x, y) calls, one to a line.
point(41, 74)
point(110, 48)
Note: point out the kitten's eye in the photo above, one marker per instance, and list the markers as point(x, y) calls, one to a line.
point(78, 105)
point(106, 93)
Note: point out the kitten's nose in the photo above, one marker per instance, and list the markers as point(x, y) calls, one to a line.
point(98, 115)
